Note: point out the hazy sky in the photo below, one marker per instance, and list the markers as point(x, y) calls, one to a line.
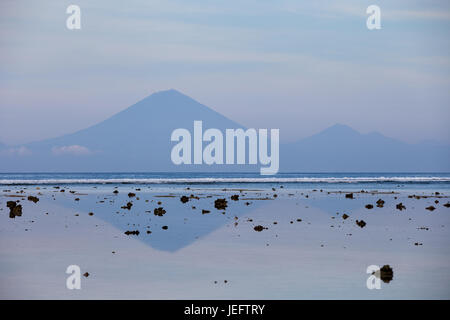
point(300, 66)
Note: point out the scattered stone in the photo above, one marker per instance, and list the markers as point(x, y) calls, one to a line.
point(184, 199)
point(386, 273)
point(400, 206)
point(165, 227)
point(15, 210)
point(369, 206)
point(115, 191)
point(259, 228)
point(205, 211)
point(380, 203)
point(128, 206)
point(220, 204)
point(345, 216)
point(91, 213)
point(131, 194)
point(349, 195)
point(361, 223)
point(235, 197)
point(135, 232)
point(447, 205)
point(431, 208)
point(34, 199)
point(86, 274)
point(159, 212)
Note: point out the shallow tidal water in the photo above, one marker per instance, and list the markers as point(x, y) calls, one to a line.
point(306, 249)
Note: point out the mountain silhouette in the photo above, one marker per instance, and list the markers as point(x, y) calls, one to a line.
point(135, 139)
point(138, 139)
point(343, 149)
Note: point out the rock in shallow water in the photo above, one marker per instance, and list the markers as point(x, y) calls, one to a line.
point(386, 273)
point(159, 212)
point(34, 199)
point(361, 223)
point(15, 210)
point(220, 204)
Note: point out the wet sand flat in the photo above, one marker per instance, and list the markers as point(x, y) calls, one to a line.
point(302, 244)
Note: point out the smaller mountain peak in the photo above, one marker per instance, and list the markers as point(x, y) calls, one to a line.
point(340, 129)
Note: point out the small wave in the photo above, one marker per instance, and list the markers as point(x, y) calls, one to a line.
point(213, 180)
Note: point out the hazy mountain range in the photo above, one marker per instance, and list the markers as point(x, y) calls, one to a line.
point(138, 139)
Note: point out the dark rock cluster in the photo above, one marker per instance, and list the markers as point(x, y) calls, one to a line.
point(34, 199)
point(159, 212)
point(361, 223)
point(380, 203)
point(128, 206)
point(400, 206)
point(15, 210)
point(220, 204)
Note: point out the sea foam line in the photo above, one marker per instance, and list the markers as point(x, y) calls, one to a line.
point(213, 180)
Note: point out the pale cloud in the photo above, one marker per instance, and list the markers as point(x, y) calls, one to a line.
point(19, 151)
point(75, 150)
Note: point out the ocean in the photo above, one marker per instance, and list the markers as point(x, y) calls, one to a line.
point(399, 180)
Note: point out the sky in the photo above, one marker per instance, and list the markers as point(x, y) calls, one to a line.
point(300, 66)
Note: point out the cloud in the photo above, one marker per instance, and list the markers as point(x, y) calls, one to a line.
point(75, 150)
point(19, 151)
